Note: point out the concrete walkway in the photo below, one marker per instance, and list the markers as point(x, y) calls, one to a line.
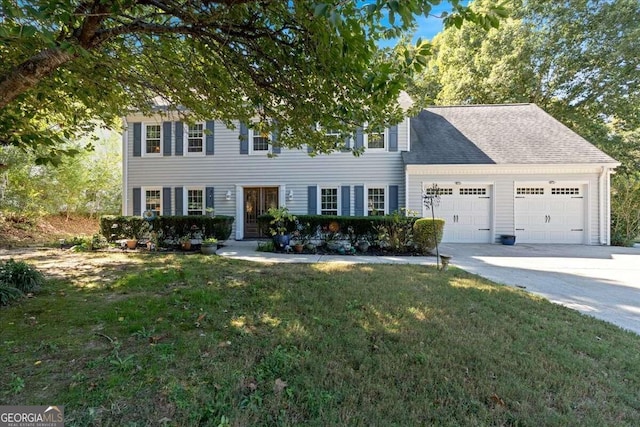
point(601, 281)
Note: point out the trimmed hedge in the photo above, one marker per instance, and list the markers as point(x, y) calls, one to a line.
point(172, 227)
point(423, 233)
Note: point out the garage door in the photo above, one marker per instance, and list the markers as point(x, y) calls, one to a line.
point(550, 213)
point(466, 211)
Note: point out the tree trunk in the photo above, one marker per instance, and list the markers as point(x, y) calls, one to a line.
point(29, 73)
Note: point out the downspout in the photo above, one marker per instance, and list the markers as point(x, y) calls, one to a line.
point(125, 164)
point(608, 204)
point(601, 204)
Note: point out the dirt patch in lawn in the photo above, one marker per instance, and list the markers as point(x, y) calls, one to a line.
point(17, 231)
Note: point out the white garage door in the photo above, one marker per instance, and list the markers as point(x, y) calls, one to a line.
point(550, 213)
point(466, 210)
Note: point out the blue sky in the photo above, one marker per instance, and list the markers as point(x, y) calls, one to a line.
point(429, 27)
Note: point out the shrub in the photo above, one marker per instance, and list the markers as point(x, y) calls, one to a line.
point(8, 294)
point(21, 276)
point(625, 210)
point(171, 228)
point(423, 233)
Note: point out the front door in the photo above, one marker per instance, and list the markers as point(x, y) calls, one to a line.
point(257, 200)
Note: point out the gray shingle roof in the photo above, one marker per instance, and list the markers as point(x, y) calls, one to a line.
point(496, 134)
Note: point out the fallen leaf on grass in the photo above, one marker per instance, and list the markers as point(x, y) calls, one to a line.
point(279, 385)
point(497, 400)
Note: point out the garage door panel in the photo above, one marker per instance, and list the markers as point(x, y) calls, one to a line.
point(467, 213)
point(550, 214)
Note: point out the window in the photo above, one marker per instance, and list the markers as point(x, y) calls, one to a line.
point(521, 191)
point(565, 191)
point(195, 202)
point(376, 140)
point(428, 192)
point(329, 201)
point(376, 201)
point(152, 136)
point(473, 191)
point(195, 138)
point(258, 143)
point(153, 200)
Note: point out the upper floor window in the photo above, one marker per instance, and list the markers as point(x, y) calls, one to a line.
point(152, 136)
point(329, 201)
point(258, 143)
point(195, 138)
point(376, 203)
point(153, 200)
point(376, 140)
point(195, 202)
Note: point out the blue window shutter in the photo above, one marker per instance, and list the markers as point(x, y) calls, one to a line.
point(393, 198)
point(347, 142)
point(244, 139)
point(137, 201)
point(210, 203)
point(275, 147)
point(359, 138)
point(312, 200)
point(209, 138)
point(179, 138)
point(137, 139)
point(345, 191)
point(358, 205)
point(166, 201)
point(166, 138)
point(393, 138)
point(179, 200)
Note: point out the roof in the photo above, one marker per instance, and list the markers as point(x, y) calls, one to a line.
point(496, 134)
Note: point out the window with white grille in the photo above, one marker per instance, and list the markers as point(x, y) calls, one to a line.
point(473, 191)
point(566, 191)
point(195, 202)
point(329, 201)
point(376, 201)
point(529, 190)
point(153, 200)
point(152, 136)
point(195, 138)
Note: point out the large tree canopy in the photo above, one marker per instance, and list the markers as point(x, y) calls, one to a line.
point(294, 62)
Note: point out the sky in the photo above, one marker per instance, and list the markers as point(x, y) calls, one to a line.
point(428, 27)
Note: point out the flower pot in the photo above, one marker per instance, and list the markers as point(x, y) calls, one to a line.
point(363, 246)
point(132, 243)
point(209, 249)
point(281, 241)
point(186, 246)
point(298, 248)
point(508, 239)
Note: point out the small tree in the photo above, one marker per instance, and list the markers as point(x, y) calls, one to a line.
point(431, 198)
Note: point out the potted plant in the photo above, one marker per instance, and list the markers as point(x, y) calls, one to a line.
point(279, 226)
point(185, 242)
point(209, 246)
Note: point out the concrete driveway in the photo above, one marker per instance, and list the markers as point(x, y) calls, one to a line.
point(601, 281)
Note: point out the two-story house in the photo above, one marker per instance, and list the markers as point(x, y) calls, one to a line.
point(500, 169)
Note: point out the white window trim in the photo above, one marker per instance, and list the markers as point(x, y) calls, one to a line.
point(250, 135)
point(143, 198)
point(366, 197)
point(185, 199)
point(319, 198)
point(365, 137)
point(185, 140)
point(144, 140)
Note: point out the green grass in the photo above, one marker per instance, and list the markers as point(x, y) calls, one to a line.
point(194, 340)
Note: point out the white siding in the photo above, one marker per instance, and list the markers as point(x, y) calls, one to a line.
point(504, 179)
point(227, 168)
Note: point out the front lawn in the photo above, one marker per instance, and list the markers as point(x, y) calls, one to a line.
point(144, 339)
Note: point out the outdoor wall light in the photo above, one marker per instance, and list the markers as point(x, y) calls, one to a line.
point(552, 182)
point(290, 194)
point(228, 195)
point(458, 183)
